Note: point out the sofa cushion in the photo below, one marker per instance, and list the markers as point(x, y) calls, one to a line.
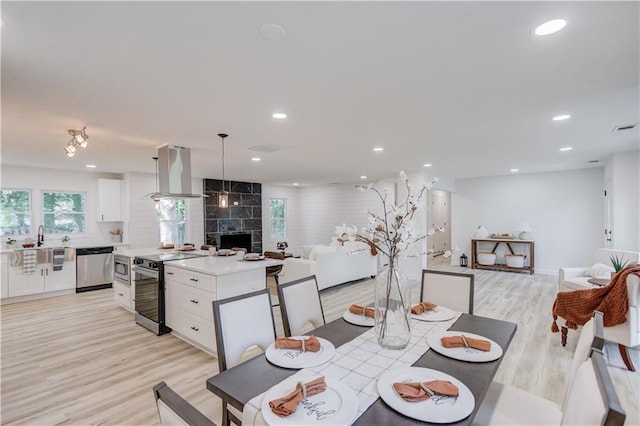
point(313, 255)
point(599, 270)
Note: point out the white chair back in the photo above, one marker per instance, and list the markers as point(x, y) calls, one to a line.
point(449, 289)
point(300, 306)
point(592, 400)
point(173, 410)
point(242, 322)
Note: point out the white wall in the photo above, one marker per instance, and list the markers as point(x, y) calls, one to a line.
point(294, 230)
point(38, 180)
point(623, 172)
point(564, 209)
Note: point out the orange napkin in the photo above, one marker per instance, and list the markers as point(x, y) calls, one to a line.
point(422, 307)
point(415, 392)
point(361, 310)
point(289, 403)
point(458, 342)
point(311, 344)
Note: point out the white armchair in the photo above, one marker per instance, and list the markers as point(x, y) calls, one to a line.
point(627, 335)
point(576, 278)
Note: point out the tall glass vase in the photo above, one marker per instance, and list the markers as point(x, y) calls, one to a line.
point(393, 308)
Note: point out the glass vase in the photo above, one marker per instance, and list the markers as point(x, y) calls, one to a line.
point(393, 308)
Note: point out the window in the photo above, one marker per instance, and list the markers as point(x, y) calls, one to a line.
point(63, 212)
point(15, 212)
point(278, 214)
point(172, 221)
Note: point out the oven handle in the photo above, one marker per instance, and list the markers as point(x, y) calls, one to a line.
point(146, 271)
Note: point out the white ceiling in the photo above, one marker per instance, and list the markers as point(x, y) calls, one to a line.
point(465, 86)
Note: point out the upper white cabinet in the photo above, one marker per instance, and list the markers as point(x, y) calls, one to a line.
point(109, 200)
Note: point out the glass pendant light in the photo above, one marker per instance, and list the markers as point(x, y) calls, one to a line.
point(223, 196)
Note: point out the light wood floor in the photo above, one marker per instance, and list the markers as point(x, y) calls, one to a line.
point(81, 360)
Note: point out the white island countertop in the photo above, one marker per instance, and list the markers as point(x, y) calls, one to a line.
point(222, 265)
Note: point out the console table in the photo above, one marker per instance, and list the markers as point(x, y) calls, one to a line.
point(529, 245)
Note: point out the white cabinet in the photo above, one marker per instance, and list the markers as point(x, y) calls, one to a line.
point(4, 292)
point(122, 294)
point(63, 279)
point(21, 284)
point(109, 200)
point(43, 279)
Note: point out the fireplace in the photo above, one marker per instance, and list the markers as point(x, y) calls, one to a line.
point(235, 240)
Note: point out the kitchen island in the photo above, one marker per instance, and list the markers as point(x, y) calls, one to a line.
point(191, 285)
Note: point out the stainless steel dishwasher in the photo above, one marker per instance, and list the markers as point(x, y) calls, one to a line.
point(94, 268)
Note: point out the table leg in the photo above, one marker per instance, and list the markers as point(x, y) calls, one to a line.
point(564, 332)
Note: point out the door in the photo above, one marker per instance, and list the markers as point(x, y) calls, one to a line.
point(608, 231)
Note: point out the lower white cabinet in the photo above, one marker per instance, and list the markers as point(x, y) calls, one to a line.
point(122, 295)
point(189, 296)
point(4, 279)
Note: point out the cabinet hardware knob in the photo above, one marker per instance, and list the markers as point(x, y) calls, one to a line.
point(195, 328)
point(193, 279)
point(120, 294)
point(194, 301)
point(169, 273)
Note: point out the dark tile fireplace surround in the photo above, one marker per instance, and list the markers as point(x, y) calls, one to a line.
point(244, 215)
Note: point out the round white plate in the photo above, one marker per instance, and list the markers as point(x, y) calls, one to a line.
point(292, 358)
point(438, 409)
point(225, 254)
point(439, 313)
point(253, 259)
point(358, 319)
point(337, 405)
point(464, 354)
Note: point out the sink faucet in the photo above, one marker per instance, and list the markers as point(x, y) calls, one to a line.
point(40, 235)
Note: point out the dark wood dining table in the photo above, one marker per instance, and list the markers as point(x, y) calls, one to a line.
point(241, 383)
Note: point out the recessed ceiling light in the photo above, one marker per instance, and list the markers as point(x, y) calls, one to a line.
point(295, 184)
point(378, 149)
point(90, 166)
point(255, 158)
point(550, 27)
point(279, 115)
point(566, 148)
point(363, 177)
point(428, 165)
point(561, 117)
point(515, 170)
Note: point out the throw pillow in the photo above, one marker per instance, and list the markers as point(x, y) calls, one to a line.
point(599, 270)
point(318, 250)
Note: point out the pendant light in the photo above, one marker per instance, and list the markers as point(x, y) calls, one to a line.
point(223, 196)
point(156, 200)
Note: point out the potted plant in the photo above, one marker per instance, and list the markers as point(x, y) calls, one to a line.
point(116, 235)
point(618, 262)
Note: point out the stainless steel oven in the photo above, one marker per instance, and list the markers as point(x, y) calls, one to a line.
point(121, 269)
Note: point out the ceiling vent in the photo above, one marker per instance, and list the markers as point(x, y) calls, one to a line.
point(269, 148)
point(624, 127)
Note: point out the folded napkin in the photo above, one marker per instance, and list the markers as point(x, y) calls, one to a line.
point(422, 307)
point(414, 392)
point(361, 310)
point(462, 341)
point(289, 403)
point(311, 344)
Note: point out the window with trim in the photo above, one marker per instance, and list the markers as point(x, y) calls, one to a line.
point(172, 220)
point(64, 212)
point(278, 215)
point(15, 212)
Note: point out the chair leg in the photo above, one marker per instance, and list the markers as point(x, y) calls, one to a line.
point(563, 332)
point(624, 353)
point(276, 278)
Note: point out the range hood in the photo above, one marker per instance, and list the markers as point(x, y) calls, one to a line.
point(174, 173)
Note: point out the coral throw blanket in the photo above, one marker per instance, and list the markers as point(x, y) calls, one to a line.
point(577, 307)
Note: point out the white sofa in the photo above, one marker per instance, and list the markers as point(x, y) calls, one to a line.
point(331, 266)
point(576, 278)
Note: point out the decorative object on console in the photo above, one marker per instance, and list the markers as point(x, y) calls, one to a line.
point(481, 232)
point(486, 258)
point(525, 231)
point(78, 140)
point(464, 261)
point(391, 234)
point(282, 246)
point(223, 197)
point(501, 236)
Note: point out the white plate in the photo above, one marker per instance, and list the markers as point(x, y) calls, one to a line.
point(229, 253)
point(464, 354)
point(337, 405)
point(436, 409)
point(292, 358)
point(358, 319)
point(253, 259)
point(439, 313)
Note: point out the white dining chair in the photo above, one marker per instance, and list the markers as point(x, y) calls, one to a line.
point(452, 290)
point(300, 306)
point(241, 322)
point(173, 410)
point(507, 405)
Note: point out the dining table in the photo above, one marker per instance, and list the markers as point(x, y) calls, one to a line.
point(239, 384)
